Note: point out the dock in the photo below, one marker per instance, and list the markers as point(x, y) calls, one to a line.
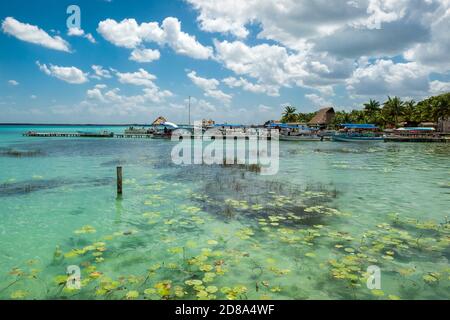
point(68, 134)
point(124, 135)
point(133, 136)
point(416, 139)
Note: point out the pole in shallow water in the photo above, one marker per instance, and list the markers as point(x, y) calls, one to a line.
point(119, 182)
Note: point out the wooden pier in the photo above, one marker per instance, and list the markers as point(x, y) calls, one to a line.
point(133, 136)
point(130, 136)
point(68, 134)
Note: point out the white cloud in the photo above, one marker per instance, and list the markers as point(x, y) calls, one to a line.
point(100, 72)
point(33, 34)
point(33, 97)
point(439, 87)
point(71, 75)
point(152, 94)
point(266, 63)
point(13, 82)
point(316, 43)
point(299, 24)
point(77, 32)
point(289, 22)
point(435, 53)
point(129, 34)
point(138, 78)
point(210, 87)
point(90, 38)
point(144, 55)
point(317, 100)
point(274, 67)
point(233, 82)
point(384, 77)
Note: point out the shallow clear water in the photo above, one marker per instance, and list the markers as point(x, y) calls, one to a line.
point(191, 232)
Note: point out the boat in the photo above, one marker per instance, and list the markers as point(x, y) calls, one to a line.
point(358, 133)
point(164, 130)
point(415, 134)
point(301, 137)
point(298, 133)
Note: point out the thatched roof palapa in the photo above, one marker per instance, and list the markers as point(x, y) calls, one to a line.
point(159, 120)
point(323, 117)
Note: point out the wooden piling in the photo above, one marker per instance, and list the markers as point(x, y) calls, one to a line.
point(119, 181)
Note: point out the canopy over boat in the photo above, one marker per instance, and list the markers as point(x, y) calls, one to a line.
point(169, 124)
point(358, 126)
point(416, 129)
point(229, 125)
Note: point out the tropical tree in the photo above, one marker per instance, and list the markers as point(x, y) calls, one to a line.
point(409, 112)
point(305, 117)
point(289, 114)
point(431, 109)
point(440, 108)
point(372, 110)
point(392, 110)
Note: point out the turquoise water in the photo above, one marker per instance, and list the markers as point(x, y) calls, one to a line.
point(211, 232)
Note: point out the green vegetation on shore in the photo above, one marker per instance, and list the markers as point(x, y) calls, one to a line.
point(390, 113)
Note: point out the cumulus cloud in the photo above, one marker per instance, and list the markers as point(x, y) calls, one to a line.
point(300, 24)
point(100, 72)
point(75, 32)
point(435, 52)
point(33, 34)
point(210, 87)
point(246, 85)
point(315, 45)
point(274, 67)
point(149, 94)
point(129, 34)
point(439, 87)
point(138, 78)
point(144, 55)
point(384, 77)
point(71, 75)
point(13, 82)
point(317, 100)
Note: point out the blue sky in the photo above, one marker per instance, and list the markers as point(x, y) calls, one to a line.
point(238, 63)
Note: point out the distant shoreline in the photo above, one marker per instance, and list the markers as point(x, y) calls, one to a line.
point(74, 124)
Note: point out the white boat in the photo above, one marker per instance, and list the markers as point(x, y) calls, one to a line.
point(301, 137)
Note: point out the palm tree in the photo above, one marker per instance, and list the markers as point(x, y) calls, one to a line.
point(410, 111)
point(440, 108)
point(289, 114)
point(393, 108)
point(371, 109)
point(305, 117)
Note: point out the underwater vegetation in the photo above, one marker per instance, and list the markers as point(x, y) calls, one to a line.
point(233, 238)
point(16, 188)
point(20, 153)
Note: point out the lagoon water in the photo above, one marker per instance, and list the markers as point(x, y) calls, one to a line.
point(211, 232)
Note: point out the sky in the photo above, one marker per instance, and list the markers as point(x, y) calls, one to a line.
point(240, 61)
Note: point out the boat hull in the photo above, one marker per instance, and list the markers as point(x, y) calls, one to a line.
point(357, 139)
point(300, 138)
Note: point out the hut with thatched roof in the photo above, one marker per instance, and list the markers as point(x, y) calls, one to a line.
point(159, 120)
point(323, 118)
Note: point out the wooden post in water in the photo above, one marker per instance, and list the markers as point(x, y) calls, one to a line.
point(119, 181)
